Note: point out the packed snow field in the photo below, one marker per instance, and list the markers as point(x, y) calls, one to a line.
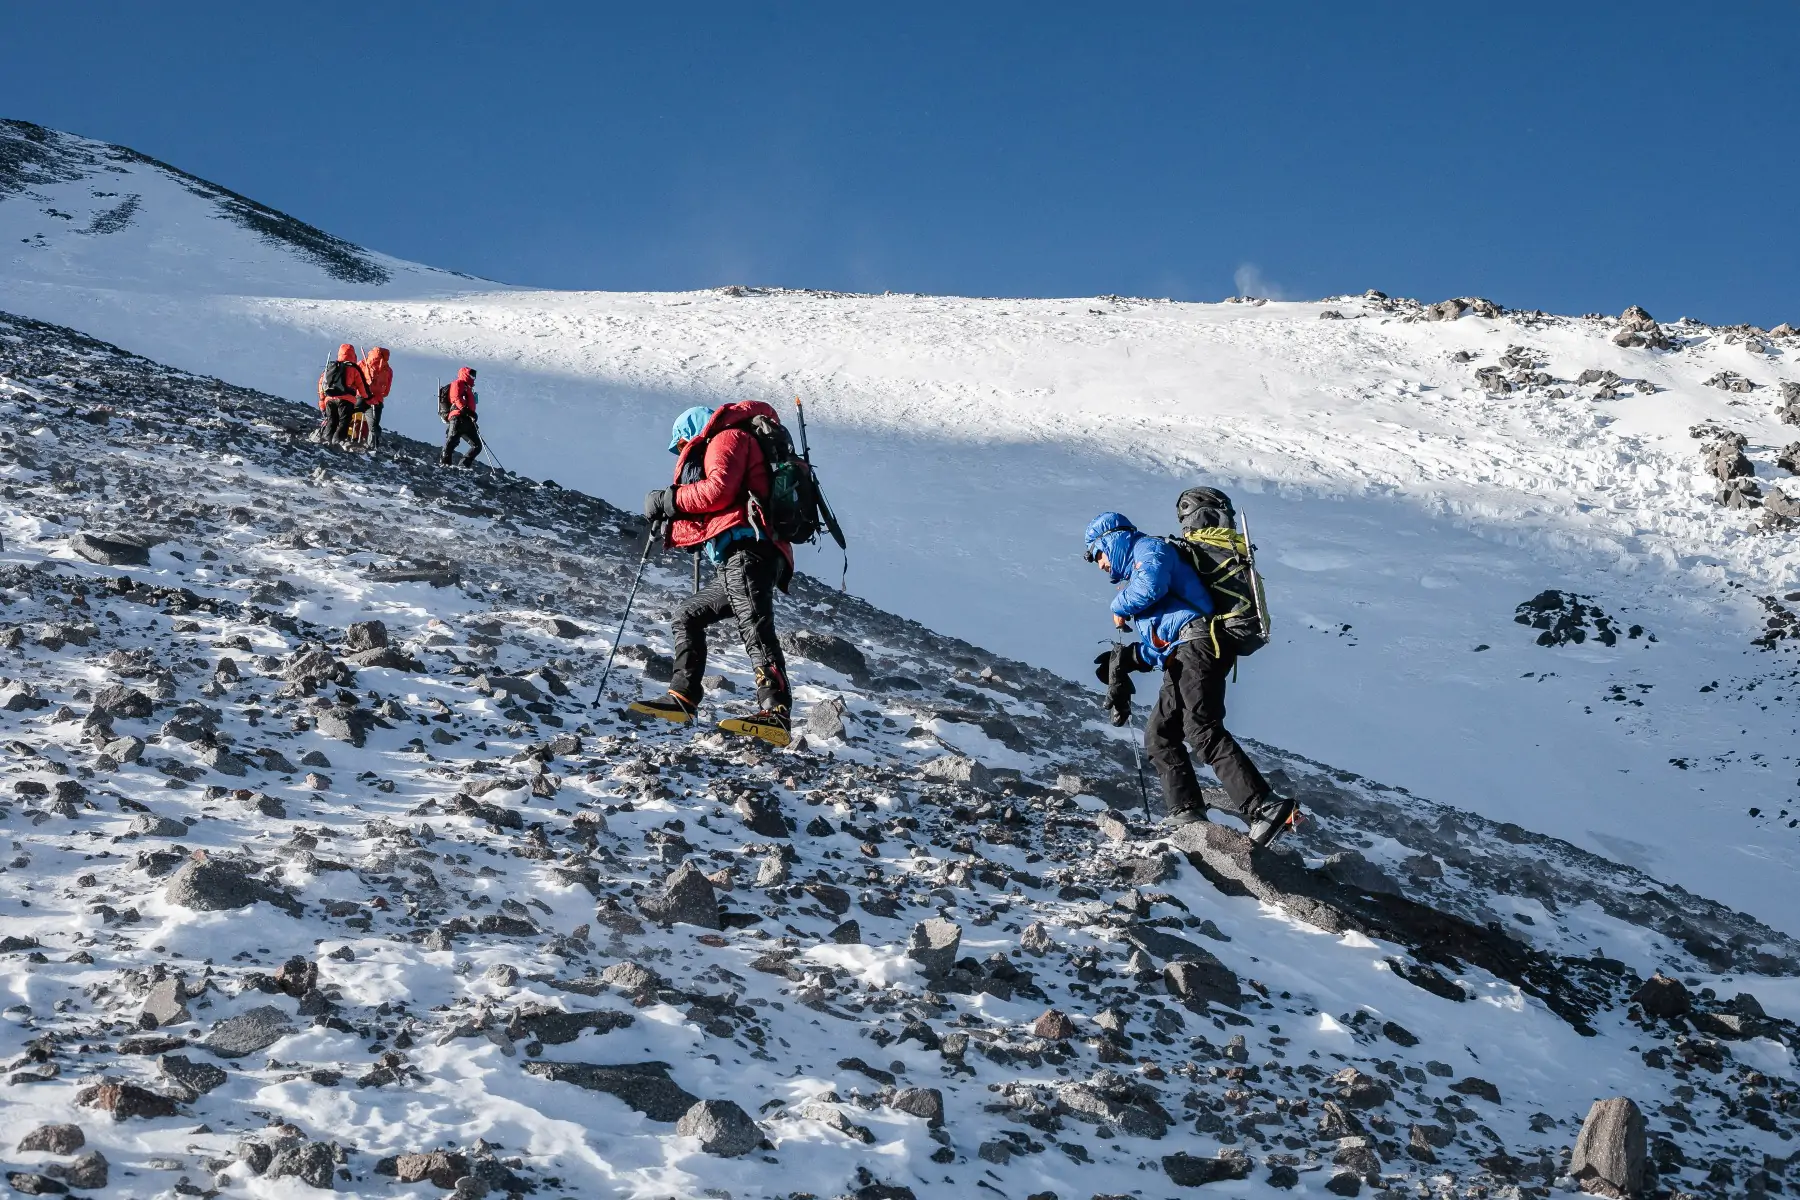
point(392, 909)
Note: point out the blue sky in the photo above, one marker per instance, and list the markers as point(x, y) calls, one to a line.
point(1567, 157)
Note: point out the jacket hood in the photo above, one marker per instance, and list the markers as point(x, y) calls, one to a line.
point(1112, 533)
point(741, 412)
point(465, 374)
point(378, 355)
point(688, 426)
point(346, 353)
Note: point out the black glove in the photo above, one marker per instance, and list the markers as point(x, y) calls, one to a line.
point(659, 505)
point(1114, 668)
point(1128, 657)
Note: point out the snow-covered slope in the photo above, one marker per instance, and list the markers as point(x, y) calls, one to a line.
point(294, 900)
point(1405, 508)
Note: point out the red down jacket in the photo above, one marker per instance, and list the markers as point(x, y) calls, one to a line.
point(734, 471)
point(378, 375)
point(353, 377)
point(462, 392)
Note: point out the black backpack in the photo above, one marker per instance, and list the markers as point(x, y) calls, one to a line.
point(444, 403)
point(792, 513)
point(337, 379)
point(1226, 563)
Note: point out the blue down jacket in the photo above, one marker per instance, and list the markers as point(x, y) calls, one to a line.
point(1162, 594)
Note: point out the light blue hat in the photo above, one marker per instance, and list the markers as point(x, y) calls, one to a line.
point(688, 426)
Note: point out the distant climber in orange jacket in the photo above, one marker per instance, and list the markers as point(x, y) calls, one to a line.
point(380, 378)
point(341, 388)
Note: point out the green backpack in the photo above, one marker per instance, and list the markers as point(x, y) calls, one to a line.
point(1225, 560)
point(792, 511)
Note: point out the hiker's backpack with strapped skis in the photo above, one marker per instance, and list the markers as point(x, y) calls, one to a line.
point(1221, 554)
point(791, 513)
point(444, 402)
point(337, 378)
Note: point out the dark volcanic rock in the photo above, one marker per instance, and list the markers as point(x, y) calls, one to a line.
point(722, 1126)
point(121, 1101)
point(111, 549)
point(644, 1087)
point(828, 650)
point(365, 635)
point(687, 898)
point(53, 1139)
point(313, 1163)
point(441, 1168)
point(934, 944)
point(192, 1079)
point(208, 885)
point(248, 1032)
point(1661, 997)
point(1190, 1170)
point(1610, 1156)
point(554, 1027)
point(1200, 981)
point(1280, 877)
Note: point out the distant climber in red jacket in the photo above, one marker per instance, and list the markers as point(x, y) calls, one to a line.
point(341, 388)
point(460, 424)
point(380, 379)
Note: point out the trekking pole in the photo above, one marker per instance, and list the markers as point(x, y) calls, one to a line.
point(1137, 756)
point(696, 571)
point(1137, 753)
point(649, 540)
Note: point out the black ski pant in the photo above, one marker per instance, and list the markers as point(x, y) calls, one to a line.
point(743, 588)
point(372, 422)
point(337, 418)
point(1191, 709)
point(462, 427)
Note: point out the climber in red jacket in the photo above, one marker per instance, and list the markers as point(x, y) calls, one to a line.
point(341, 388)
point(380, 380)
point(460, 423)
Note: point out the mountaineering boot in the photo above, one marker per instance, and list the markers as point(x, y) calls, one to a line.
point(771, 725)
point(1273, 816)
point(672, 707)
point(1184, 816)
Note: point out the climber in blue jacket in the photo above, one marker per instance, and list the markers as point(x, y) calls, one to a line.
point(1164, 602)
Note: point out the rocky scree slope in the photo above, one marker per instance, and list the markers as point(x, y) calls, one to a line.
point(321, 869)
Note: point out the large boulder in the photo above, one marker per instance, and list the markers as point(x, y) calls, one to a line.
point(828, 650)
point(111, 549)
point(365, 635)
point(118, 700)
point(1610, 1152)
point(687, 898)
point(1191, 1170)
point(209, 885)
point(723, 1128)
point(1661, 997)
point(1197, 982)
point(248, 1032)
point(921, 1102)
point(312, 1163)
point(934, 944)
point(644, 1087)
point(53, 1139)
point(957, 768)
